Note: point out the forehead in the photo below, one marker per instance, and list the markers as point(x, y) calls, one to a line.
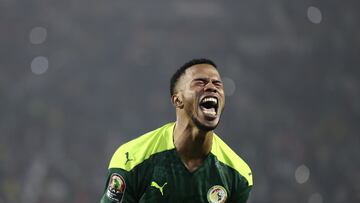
point(201, 71)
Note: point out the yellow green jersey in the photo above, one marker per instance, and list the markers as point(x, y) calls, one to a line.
point(148, 169)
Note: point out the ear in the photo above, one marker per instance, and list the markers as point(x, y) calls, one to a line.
point(177, 101)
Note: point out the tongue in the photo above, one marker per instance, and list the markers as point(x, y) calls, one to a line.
point(210, 111)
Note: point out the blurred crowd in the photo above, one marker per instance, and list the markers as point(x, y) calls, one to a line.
point(79, 78)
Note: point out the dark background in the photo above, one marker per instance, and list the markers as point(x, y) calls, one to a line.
point(79, 78)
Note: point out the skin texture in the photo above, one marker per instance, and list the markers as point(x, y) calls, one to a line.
point(193, 131)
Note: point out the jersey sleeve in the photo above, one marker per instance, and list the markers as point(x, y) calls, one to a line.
point(119, 187)
point(241, 192)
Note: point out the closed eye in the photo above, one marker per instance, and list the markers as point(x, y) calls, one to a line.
point(218, 83)
point(203, 82)
point(200, 82)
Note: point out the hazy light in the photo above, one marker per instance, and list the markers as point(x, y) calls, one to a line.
point(57, 190)
point(302, 174)
point(314, 15)
point(229, 86)
point(315, 198)
point(39, 65)
point(38, 35)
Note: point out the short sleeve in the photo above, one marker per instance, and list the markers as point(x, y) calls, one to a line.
point(241, 191)
point(119, 187)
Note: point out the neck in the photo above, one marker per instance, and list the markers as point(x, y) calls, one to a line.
point(192, 144)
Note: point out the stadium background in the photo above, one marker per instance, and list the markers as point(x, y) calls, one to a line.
point(79, 78)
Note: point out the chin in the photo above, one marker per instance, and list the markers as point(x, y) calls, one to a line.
point(205, 126)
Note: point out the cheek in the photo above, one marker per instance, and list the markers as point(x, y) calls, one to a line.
point(189, 97)
point(223, 103)
point(190, 100)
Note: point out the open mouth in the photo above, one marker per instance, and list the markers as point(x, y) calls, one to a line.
point(209, 105)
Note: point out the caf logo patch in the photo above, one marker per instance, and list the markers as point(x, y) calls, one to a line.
point(116, 188)
point(217, 194)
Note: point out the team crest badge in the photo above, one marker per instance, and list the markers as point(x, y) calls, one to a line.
point(116, 188)
point(217, 194)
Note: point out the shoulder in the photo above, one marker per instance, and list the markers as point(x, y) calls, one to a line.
point(228, 157)
point(134, 152)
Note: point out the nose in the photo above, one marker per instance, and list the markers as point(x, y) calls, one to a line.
point(210, 87)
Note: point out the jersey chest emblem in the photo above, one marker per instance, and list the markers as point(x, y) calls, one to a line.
point(217, 194)
point(116, 188)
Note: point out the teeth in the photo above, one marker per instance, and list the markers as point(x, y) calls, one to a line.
point(211, 99)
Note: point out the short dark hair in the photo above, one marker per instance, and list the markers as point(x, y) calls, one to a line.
point(179, 72)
